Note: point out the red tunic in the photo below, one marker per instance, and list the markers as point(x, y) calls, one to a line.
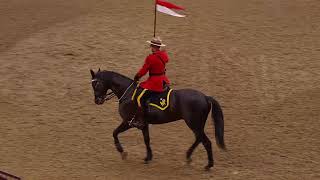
point(156, 65)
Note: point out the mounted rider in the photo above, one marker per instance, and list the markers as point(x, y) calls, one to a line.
point(155, 64)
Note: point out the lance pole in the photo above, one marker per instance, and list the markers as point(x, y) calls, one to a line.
point(155, 18)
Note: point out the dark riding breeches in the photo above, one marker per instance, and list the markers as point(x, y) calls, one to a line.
point(142, 96)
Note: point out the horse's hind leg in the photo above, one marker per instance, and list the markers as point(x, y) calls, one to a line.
point(146, 138)
point(198, 130)
point(191, 149)
point(121, 128)
point(207, 144)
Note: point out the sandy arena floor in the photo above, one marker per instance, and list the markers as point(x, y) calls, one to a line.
point(259, 58)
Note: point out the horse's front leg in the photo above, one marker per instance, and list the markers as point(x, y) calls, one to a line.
point(145, 132)
point(121, 128)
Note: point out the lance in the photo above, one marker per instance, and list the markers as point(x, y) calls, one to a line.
point(155, 18)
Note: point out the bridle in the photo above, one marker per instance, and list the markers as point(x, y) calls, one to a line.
point(107, 96)
point(111, 94)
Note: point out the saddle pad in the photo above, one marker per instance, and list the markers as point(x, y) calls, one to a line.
point(161, 100)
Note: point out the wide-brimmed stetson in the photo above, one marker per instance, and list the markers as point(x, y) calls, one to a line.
point(156, 42)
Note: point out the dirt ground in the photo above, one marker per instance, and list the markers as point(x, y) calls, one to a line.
point(259, 58)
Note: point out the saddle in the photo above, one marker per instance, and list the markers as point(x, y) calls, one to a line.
point(160, 100)
point(157, 100)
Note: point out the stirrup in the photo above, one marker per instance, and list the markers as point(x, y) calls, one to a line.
point(130, 122)
point(133, 123)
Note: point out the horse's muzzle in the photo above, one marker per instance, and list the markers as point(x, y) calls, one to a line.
point(99, 100)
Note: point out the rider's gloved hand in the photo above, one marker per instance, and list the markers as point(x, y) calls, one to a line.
point(136, 78)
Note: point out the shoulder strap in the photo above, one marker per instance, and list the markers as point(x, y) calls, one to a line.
point(161, 60)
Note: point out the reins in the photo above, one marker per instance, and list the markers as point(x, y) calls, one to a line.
point(111, 94)
point(125, 92)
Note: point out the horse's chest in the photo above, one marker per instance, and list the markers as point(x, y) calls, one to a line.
point(126, 110)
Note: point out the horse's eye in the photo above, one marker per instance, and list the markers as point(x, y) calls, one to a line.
point(94, 84)
point(99, 86)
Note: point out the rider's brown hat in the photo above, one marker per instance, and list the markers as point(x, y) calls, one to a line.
point(156, 42)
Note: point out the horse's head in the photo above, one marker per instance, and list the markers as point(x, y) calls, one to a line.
point(100, 86)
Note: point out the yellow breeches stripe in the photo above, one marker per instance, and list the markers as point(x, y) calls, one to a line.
point(140, 96)
point(135, 92)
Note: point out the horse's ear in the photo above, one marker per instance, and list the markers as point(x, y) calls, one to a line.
point(99, 70)
point(92, 74)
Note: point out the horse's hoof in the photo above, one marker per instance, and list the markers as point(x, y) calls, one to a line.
point(208, 167)
point(189, 160)
point(124, 155)
point(147, 160)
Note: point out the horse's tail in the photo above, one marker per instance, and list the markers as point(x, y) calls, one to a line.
point(217, 117)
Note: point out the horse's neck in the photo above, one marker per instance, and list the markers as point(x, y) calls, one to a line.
point(120, 84)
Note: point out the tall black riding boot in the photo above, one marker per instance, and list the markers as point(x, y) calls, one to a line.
point(138, 119)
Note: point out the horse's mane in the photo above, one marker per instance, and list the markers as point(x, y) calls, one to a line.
point(110, 74)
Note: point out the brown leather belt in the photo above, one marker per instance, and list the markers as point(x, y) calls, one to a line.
point(157, 74)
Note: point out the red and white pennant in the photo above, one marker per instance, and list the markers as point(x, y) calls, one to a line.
point(166, 7)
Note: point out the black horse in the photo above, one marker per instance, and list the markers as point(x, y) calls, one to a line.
point(188, 104)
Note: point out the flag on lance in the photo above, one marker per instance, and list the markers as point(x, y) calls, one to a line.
point(168, 8)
